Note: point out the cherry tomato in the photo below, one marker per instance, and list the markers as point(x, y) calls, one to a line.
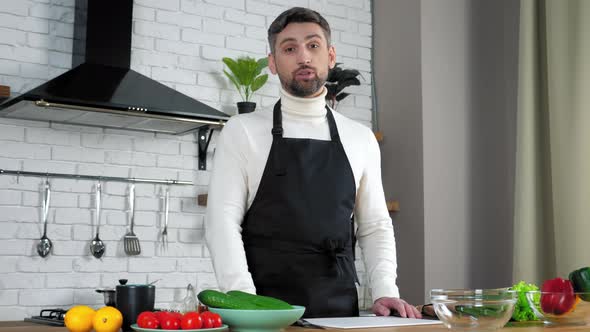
point(217, 322)
point(176, 314)
point(144, 315)
point(191, 321)
point(211, 319)
point(148, 322)
point(170, 323)
point(161, 315)
point(207, 319)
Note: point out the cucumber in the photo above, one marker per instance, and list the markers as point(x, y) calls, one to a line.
point(216, 299)
point(265, 302)
point(483, 311)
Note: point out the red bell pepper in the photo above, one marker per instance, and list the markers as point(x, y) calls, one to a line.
point(557, 296)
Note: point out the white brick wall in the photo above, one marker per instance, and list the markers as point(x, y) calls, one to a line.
point(180, 43)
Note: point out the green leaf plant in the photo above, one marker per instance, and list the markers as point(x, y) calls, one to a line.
point(245, 74)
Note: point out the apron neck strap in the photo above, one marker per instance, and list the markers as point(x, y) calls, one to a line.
point(277, 123)
point(332, 124)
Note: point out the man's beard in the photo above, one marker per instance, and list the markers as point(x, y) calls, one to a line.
point(304, 88)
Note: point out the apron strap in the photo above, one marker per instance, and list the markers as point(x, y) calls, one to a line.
point(277, 139)
point(277, 135)
point(277, 123)
point(338, 250)
point(332, 125)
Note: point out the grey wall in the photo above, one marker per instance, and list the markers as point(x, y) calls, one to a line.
point(398, 87)
point(445, 76)
point(493, 70)
point(447, 142)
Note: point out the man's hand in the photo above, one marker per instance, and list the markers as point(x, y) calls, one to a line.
point(384, 305)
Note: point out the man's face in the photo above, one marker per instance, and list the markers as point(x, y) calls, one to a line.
point(302, 59)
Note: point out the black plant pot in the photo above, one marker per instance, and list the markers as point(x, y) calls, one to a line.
point(246, 107)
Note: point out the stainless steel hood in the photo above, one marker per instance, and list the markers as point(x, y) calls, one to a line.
point(103, 91)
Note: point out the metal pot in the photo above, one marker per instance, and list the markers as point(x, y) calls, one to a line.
point(130, 300)
point(109, 296)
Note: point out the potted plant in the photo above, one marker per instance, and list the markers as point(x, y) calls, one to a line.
point(337, 80)
point(245, 74)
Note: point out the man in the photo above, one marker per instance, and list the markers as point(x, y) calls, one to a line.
point(287, 182)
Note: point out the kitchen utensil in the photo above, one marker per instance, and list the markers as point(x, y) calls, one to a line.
point(52, 317)
point(473, 309)
point(130, 241)
point(97, 247)
point(44, 246)
point(166, 208)
point(154, 282)
point(133, 300)
point(130, 300)
point(109, 295)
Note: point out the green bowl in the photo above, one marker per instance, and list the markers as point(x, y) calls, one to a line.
point(259, 320)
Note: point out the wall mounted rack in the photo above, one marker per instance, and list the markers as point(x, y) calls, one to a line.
point(93, 177)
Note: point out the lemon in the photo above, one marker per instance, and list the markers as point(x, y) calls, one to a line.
point(107, 319)
point(79, 318)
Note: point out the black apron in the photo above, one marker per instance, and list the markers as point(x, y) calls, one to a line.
point(298, 235)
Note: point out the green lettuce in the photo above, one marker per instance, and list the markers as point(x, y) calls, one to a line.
point(522, 310)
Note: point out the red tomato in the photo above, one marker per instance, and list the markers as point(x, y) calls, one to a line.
point(162, 314)
point(146, 313)
point(176, 314)
point(211, 319)
point(191, 321)
point(217, 322)
point(170, 323)
point(143, 316)
point(148, 322)
point(207, 319)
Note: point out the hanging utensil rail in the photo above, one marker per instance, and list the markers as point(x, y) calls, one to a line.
point(93, 177)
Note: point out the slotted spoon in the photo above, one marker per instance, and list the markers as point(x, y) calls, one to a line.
point(44, 246)
point(97, 247)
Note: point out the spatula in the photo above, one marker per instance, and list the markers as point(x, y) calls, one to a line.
point(130, 241)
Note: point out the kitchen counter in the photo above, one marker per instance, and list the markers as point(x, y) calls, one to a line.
point(31, 327)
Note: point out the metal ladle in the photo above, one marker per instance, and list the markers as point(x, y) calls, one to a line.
point(44, 246)
point(97, 247)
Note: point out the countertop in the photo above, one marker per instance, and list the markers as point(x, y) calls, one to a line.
point(8, 326)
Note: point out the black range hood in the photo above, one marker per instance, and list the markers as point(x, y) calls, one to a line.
point(103, 91)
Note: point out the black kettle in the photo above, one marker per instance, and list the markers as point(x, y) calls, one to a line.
point(130, 300)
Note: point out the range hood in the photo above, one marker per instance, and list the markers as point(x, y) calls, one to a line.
point(102, 90)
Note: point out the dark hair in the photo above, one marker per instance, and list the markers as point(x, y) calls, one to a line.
point(296, 15)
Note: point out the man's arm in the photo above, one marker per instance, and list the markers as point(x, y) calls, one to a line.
point(226, 206)
point(376, 238)
point(375, 230)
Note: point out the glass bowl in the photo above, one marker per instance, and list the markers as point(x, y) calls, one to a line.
point(556, 308)
point(473, 309)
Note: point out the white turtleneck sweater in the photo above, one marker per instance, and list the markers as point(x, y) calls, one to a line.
point(240, 158)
